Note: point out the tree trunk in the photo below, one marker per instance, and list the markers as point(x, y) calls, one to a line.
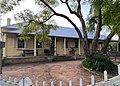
point(84, 39)
point(86, 47)
point(106, 43)
point(97, 33)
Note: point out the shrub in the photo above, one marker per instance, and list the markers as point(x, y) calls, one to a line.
point(99, 62)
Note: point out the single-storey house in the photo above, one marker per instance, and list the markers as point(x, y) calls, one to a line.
point(64, 39)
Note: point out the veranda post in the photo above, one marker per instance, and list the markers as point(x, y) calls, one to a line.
point(2, 44)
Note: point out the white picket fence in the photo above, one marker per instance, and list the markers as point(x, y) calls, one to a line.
point(115, 81)
point(4, 81)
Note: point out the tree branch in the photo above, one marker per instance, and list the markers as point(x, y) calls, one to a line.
point(79, 7)
point(41, 22)
point(45, 20)
point(48, 6)
point(64, 16)
point(76, 28)
point(70, 10)
point(63, 1)
point(78, 13)
point(106, 42)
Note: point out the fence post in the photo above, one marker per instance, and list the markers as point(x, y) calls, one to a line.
point(118, 69)
point(10, 80)
point(80, 82)
point(0, 76)
point(23, 81)
point(36, 82)
point(52, 83)
point(43, 83)
point(5, 78)
point(14, 81)
point(92, 80)
point(105, 76)
point(70, 83)
point(60, 83)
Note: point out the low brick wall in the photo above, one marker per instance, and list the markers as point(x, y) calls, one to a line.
point(24, 60)
point(17, 60)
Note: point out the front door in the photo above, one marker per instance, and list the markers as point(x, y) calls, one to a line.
point(59, 46)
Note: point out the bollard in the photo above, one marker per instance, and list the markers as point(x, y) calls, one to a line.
point(92, 80)
point(43, 83)
point(10, 80)
point(105, 76)
point(70, 83)
point(15, 82)
point(1, 77)
point(5, 78)
point(60, 83)
point(118, 69)
point(52, 83)
point(36, 82)
point(80, 82)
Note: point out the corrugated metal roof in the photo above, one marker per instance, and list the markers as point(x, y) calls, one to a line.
point(13, 31)
point(63, 32)
point(59, 32)
point(13, 26)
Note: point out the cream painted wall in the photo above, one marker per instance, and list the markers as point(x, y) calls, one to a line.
point(12, 49)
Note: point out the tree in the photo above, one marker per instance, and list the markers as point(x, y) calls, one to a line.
point(111, 12)
point(107, 10)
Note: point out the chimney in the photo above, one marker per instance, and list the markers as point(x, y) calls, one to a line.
point(8, 21)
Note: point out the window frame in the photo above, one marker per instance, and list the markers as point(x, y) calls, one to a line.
point(41, 45)
point(18, 44)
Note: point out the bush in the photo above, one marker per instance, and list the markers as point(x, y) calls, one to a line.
point(99, 62)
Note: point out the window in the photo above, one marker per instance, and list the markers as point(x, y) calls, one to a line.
point(21, 43)
point(38, 44)
point(76, 43)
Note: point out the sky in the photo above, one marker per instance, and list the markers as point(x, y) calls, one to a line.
point(29, 4)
